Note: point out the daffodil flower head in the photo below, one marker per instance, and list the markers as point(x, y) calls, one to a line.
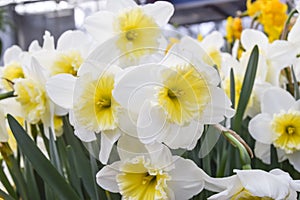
point(278, 124)
point(276, 184)
point(12, 68)
point(32, 98)
point(94, 106)
point(154, 175)
point(134, 30)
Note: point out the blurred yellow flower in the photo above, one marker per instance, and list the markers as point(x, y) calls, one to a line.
point(272, 14)
point(234, 28)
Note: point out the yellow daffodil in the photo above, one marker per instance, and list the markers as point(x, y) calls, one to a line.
point(277, 125)
point(234, 29)
point(272, 14)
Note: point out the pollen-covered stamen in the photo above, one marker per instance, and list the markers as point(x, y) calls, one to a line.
point(104, 103)
point(175, 93)
point(131, 35)
point(290, 130)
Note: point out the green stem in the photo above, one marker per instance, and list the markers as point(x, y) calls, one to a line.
point(7, 95)
point(286, 24)
point(238, 142)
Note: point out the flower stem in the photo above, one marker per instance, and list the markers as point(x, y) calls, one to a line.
point(245, 151)
point(286, 24)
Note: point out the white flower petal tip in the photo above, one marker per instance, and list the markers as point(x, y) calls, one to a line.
point(60, 89)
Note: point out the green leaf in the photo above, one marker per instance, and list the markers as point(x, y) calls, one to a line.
point(5, 196)
point(247, 87)
point(232, 87)
point(40, 163)
point(82, 162)
point(54, 157)
point(33, 191)
point(296, 86)
point(6, 183)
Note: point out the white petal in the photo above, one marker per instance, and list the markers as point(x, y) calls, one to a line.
point(117, 6)
point(151, 123)
point(11, 106)
point(281, 53)
point(69, 40)
point(251, 37)
point(275, 100)
point(183, 136)
point(155, 11)
point(294, 159)
point(218, 107)
point(12, 54)
point(84, 135)
point(48, 43)
point(295, 32)
point(127, 122)
point(3, 128)
point(268, 185)
point(34, 47)
point(136, 85)
point(214, 40)
point(260, 128)
point(106, 177)
point(100, 29)
point(161, 156)
point(37, 72)
point(108, 139)
point(130, 147)
point(60, 89)
point(186, 179)
point(263, 151)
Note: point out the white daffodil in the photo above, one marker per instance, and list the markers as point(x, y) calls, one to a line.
point(72, 49)
point(92, 108)
point(174, 99)
point(239, 70)
point(212, 54)
point(156, 175)
point(273, 57)
point(31, 95)
point(275, 184)
point(279, 125)
point(12, 68)
point(133, 30)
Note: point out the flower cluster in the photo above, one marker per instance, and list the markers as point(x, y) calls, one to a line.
point(152, 103)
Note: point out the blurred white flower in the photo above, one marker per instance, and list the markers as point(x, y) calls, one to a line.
point(174, 99)
point(134, 30)
point(254, 184)
point(273, 57)
point(279, 125)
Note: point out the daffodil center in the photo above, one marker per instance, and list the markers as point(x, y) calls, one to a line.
point(175, 93)
point(131, 35)
point(104, 103)
point(148, 179)
point(286, 127)
point(246, 195)
point(184, 94)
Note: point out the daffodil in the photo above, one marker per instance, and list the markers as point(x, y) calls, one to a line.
point(277, 125)
point(92, 108)
point(273, 57)
point(133, 30)
point(234, 29)
point(72, 49)
point(275, 184)
point(12, 68)
point(157, 175)
point(175, 98)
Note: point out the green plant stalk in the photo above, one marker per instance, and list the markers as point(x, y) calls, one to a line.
point(244, 155)
point(286, 24)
